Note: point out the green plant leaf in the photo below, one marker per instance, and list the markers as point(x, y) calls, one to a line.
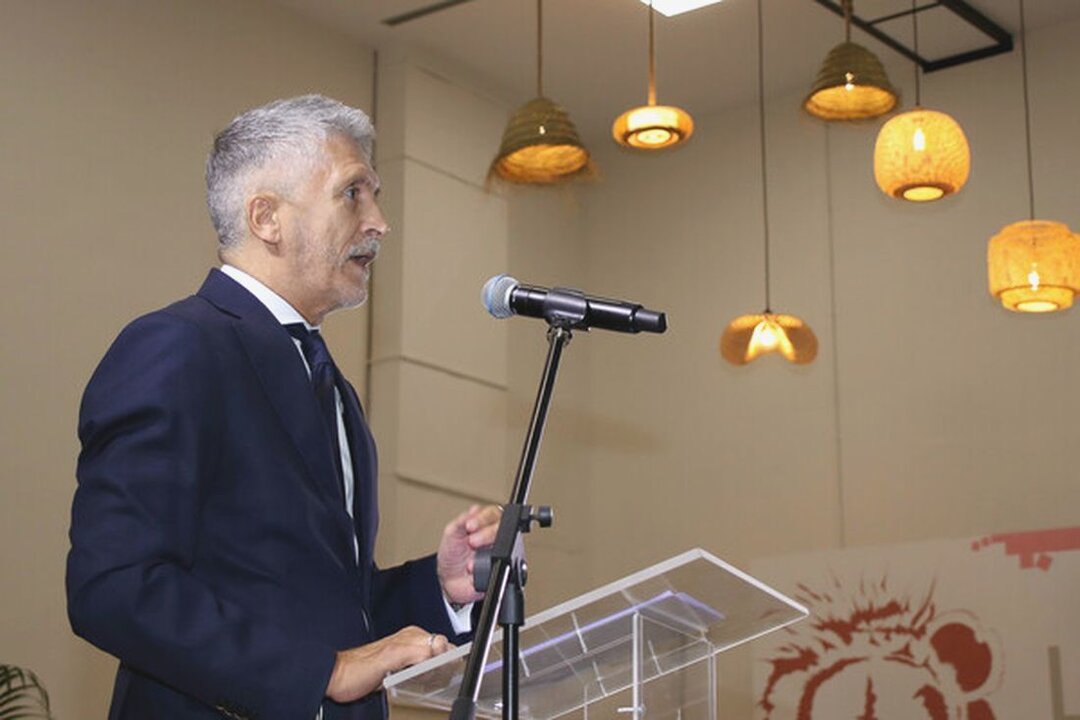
point(22, 696)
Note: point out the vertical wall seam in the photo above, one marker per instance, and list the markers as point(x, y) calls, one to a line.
point(841, 529)
point(371, 296)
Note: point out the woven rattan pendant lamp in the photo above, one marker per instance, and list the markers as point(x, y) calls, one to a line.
point(1033, 265)
point(922, 154)
point(540, 145)
point(748, 337)
point(652, 126)
point(852, 84)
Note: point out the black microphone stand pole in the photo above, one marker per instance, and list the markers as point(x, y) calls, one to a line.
point(508, 573)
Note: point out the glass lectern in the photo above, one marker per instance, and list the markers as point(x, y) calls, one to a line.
point(644, 646)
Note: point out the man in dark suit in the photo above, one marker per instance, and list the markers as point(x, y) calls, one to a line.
point(224, 523)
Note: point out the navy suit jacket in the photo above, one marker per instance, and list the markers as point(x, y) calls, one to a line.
point(211, 551)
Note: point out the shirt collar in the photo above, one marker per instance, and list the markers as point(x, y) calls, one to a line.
point(278, 306)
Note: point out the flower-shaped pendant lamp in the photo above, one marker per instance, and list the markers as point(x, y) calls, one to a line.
point(748, 337)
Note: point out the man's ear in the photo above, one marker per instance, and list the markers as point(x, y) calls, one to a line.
point(263, 221)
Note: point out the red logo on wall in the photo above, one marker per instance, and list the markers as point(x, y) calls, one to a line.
point(1034, 549)
point(870, 654)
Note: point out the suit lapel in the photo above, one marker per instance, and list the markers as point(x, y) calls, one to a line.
point(280, 370)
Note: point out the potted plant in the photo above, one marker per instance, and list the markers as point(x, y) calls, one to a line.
point(22, 696)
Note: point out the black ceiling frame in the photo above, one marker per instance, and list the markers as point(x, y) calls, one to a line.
point(1003, 41)
point(422, 12)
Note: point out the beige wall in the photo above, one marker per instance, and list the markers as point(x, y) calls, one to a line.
point(452, 388)
point(107, 113)
point(548, 248)
point(930, 412)
point(438, 370)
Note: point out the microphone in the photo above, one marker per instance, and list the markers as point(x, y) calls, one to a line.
point(504, 296)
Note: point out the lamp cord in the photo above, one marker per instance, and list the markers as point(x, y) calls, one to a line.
point(761, 120)
point(652, 59)
point(918, 69)
point(1027, 114)
point(847, 20)
point(540, 48)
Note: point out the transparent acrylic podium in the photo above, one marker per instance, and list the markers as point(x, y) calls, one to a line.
point(644, 646)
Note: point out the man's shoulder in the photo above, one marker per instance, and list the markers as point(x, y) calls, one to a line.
point(165, 353)
point(194, 309)
point(200, 333)
point(204, 309)
point(191, 316)
point(186, 328)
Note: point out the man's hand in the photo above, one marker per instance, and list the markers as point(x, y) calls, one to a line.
point(361, 670)
point(470, 531)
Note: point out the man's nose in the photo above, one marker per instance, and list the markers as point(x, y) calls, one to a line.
point(375, 224)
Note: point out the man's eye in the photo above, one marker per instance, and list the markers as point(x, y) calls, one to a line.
point(352, 192)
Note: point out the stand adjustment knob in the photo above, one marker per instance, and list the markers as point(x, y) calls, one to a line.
point(543, 516)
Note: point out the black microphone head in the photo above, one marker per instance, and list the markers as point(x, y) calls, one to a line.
point(646, 320)
point(496, 295)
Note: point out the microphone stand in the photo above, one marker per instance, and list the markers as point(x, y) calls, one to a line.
point(508, 571)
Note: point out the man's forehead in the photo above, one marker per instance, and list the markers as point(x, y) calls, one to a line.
point(348, 163)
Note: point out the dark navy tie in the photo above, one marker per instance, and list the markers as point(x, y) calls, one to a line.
point(323, 381)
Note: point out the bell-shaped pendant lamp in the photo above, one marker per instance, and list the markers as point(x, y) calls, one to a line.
point(748, 337)
point(540, 145)
point(852, 84)
point(922, 154)
point(1033, 265)
point(652, 126)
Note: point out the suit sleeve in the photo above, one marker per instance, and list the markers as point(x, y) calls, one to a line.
point(150, 434)
point(410, 594)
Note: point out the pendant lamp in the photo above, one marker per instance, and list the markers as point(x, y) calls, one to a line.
point(540, 145)
point(1033, 265)
point(852, 84)
point(922, 154)
point(652, 126)
point(748, 337)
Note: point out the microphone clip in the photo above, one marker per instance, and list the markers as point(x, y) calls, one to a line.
point(566, 308)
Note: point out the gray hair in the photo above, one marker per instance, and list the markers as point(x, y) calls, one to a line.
point(294, 129)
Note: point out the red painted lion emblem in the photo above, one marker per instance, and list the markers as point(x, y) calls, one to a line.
point(868, 654)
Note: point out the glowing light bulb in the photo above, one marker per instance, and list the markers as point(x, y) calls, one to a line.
point(1037, 304)
point(543, 130)
point(918, 140)
point(767, 337)
point(849, 85)
point(654, 136)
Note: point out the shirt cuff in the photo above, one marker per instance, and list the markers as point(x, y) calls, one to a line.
point(460, 618)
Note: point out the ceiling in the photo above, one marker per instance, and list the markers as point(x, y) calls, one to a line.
point(595, 51)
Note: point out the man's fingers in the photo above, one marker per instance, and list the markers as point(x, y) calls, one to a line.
point(436, 644)
point(360, 670)
point(482, 517)
point(484, 535)
point(419, 644)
